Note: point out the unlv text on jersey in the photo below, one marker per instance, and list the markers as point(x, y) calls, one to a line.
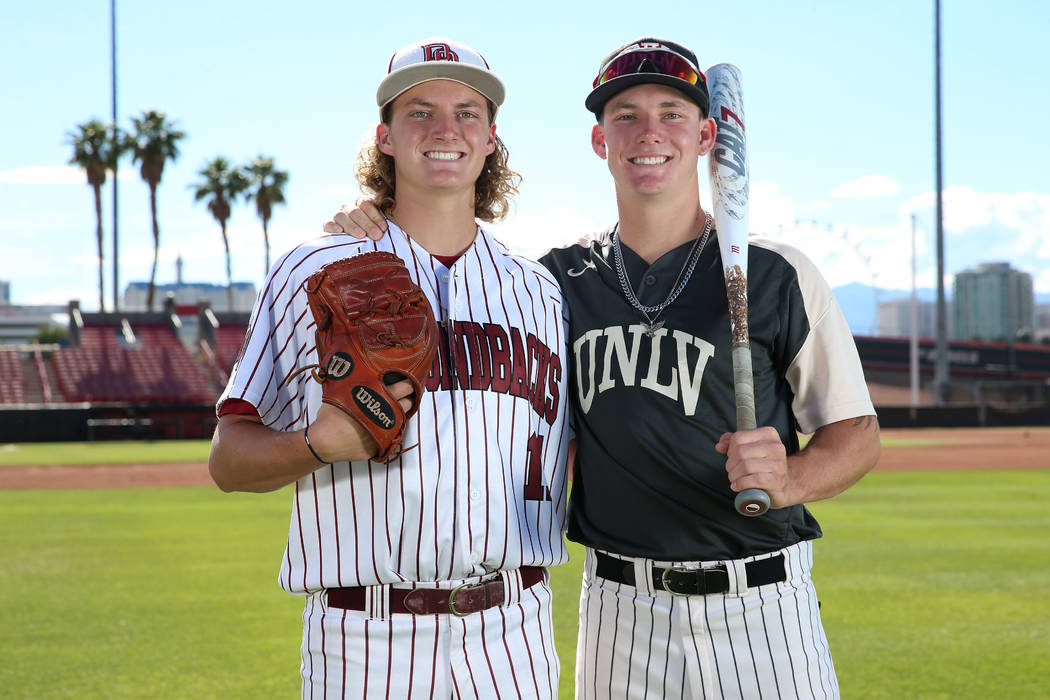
point(606, 359)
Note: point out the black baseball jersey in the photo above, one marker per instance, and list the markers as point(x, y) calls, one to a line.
point(649, 410)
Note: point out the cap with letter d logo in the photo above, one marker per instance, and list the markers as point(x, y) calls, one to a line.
point(439, 58)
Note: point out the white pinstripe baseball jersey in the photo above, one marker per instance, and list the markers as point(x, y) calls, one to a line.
point(482, 486)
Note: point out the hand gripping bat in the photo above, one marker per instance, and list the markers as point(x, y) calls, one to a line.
point(729, 191)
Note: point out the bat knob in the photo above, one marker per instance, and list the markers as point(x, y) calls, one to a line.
point(752, 502)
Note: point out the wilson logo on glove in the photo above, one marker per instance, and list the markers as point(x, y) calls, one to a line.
point(373, 323)
point(374, 407)
point(340, 366)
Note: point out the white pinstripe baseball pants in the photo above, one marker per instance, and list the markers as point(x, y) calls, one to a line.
point(762, 642)
point(503, 652)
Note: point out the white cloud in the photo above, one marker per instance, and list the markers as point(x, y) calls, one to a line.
point(533, 235)
point(867, 187)
point(346, 193)
point(87, 296)
point(770, 210)
point(86, 259)
point(284, 238)
point(966, 208)
point(52, 175)
point(990, 227)
point(983, 227)
point(1041, 281)
point(836, 255)
point(44, 175)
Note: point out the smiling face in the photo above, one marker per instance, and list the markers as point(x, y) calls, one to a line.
point(652, 137)
point(438, 135)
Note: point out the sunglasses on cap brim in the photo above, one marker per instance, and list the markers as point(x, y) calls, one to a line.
point(660, 61)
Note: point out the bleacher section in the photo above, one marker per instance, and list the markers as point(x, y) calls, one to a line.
point(122, 375)
point(130, 375)
point(12, 378)
point(228, 341)
point(102, 336)
point(156, 335)
point(153, 368)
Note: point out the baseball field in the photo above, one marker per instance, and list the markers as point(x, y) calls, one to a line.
point(125, 574)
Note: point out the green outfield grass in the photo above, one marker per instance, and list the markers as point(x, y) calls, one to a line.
point(140, 451)
point(104, 452)
point(934, 585)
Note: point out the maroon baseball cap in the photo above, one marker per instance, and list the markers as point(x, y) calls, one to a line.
point(649, 60)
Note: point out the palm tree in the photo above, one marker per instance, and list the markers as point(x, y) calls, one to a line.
point(153, 144)
point(222, 185)
point(96, 149)
point(268, 183)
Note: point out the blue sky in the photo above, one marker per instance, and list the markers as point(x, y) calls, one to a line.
point(838, 97)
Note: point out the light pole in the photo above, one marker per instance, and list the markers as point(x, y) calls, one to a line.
point(116, 146)
point(913, 345)
point(940, 380)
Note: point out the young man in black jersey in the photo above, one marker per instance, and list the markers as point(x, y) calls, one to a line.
point(684, 597)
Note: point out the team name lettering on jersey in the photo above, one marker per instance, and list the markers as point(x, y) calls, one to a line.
point(605, 359)
point(485, 356)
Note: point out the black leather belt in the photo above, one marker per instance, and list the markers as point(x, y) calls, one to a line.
point(682, 581)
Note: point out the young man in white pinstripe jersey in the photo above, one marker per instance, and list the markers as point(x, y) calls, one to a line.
point(424, 576)
point(682, 597)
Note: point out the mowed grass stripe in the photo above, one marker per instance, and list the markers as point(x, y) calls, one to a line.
point(162, 451)
point(104, 452)
point(160, 593)
point(933, 586)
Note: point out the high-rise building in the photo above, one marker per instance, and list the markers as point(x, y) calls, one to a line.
point(993, 302)
point(5, 292)
point(895, 318)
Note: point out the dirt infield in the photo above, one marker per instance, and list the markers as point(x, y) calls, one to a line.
point(935, 449)
point(105, 476)
point(966, 448)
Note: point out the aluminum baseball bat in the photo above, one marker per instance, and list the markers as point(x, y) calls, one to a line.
point(728, 165)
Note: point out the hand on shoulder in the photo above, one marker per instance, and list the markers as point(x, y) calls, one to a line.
point(360, 221)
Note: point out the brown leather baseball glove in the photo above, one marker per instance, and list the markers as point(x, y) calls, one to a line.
point(374, 327)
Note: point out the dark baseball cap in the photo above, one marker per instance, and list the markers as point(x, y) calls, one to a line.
point(649, 60)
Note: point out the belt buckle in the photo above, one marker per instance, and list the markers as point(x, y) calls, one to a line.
point(663, 578)
point(452, 598)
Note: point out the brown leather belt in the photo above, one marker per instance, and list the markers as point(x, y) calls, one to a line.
point(462, 600)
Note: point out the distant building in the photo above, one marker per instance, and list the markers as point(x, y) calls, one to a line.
point(894, 318)
point(190, 293)
point(20, 324)
point(993, 303)
point(5, 292)
point(1042, 322)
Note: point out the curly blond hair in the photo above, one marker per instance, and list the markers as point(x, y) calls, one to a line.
point(492, 191)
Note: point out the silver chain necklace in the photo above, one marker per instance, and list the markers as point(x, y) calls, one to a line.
point(652, 313)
